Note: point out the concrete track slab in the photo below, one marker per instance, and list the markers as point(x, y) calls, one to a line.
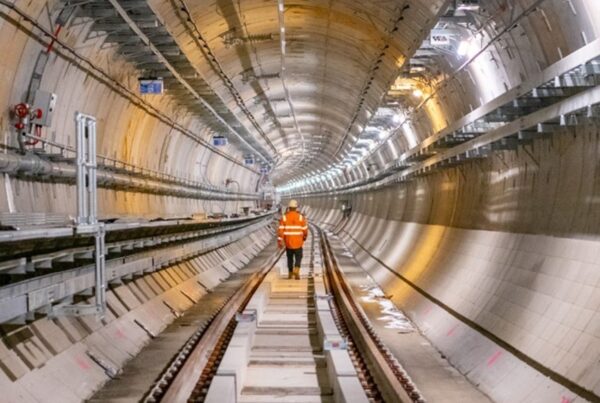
point(313, 379)
point(286, 362)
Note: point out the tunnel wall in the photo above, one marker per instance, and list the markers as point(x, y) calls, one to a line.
point(126, 130)
point(453, 85)
point(497, 261)
point(67, 359)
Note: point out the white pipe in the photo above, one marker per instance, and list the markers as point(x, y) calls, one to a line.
point(31, 165)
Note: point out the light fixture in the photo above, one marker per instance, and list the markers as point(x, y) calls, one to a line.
point(396, 118)
point(417, 93)
point(463, 46)
point(467, 47)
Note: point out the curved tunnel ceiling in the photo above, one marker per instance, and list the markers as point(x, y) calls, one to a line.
point(337, 54)
point(452, 146)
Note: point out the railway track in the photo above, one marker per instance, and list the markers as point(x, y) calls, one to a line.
point(286, 340)
point(44, 242)
point(33, 283)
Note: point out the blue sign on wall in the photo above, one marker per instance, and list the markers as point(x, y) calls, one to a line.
point(151, 86)
point(219, 141)
point(248, 160)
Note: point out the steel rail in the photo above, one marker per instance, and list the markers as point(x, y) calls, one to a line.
point(45, 232)
point(125, 236)
point(183, 384)
point(392, 380)
point(193, 367)
point(367, 381)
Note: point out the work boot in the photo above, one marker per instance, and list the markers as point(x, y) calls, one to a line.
point(297, 273)
point(290, 275)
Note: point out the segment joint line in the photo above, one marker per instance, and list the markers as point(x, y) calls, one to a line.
point(133, 26)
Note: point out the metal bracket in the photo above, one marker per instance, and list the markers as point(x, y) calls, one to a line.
point(87, 220)
point(86, 170)
point(75, 310)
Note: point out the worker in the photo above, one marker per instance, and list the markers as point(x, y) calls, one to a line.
point(293, 230)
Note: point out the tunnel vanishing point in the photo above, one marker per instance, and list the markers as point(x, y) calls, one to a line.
point(444, 153)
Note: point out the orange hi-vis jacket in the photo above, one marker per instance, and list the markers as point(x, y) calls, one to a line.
point(293, 229)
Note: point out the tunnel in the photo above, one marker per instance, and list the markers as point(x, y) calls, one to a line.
point(435, 162)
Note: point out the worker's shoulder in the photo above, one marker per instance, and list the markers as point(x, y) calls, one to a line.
point(294, 215)
point(300, 216)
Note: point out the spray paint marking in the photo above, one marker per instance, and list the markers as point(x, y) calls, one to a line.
point(83, 364)
point(494, 358)
point(451, 331)
point(119, 333)
point(564, 399)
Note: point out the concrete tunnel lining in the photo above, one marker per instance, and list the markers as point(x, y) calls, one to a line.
point(473, 204)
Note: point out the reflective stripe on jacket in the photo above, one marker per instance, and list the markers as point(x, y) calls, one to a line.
point(293, 229)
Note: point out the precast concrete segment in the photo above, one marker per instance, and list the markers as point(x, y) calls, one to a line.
point(493, 270)
point(196, 34)
point(557, 77)
point(103, 76)
point(68, 359)
point(437, 380)
point(186, 379)
point(140, 375)
point(557, 383)
point(123, 13)
point(26, 296)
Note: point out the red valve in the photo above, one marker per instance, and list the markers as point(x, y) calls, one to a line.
point(24, 114)
point(22, 110)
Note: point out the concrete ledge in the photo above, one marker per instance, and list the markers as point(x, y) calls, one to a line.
point(237, 355)
point(326, 325)
point(61, 368)
point(233, 365)
point(259, 300)
point(342, 374)
point(344, 379)
point(347, 389)
point(222, 389)
point(339, 363)
point(322, 305)
point(320, 288)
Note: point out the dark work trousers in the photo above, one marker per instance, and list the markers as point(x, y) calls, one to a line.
point(294, 257)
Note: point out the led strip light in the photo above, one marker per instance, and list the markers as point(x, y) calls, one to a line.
point(288, 97)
